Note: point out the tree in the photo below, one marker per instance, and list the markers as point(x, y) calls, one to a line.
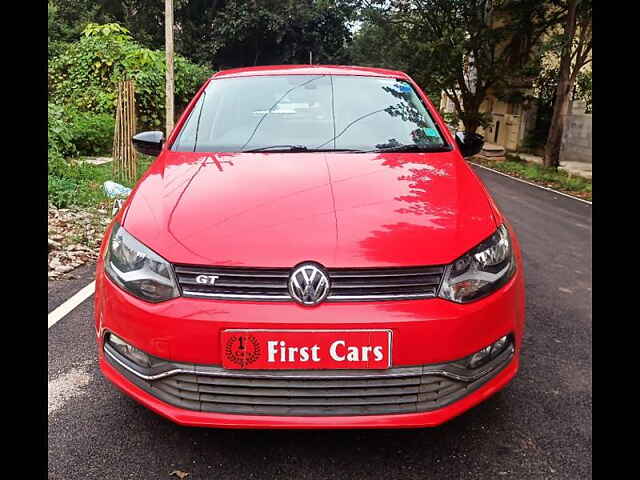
point(228, 33)
point(465, 48)
point(544, 92)
point(251, 32)
point(371, 48)
point(575, 54)
point(584, 89)
point(85, 75)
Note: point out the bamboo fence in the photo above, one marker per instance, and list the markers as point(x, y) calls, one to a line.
point(124, 154)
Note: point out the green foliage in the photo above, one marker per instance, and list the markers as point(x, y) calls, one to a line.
point(83, 76)
point(584, 89)
point(61, 191)
point(451, 119)
point(92, 133)
point(86, 74)
point(53, 33)
point(265, 32)
point(109, 31)
point(60, 138)
point(229, 33)
point(483, 119)
point(464, 47)
point(73, 133)
point(62, 32)
point(79, 184)
point(371, 46)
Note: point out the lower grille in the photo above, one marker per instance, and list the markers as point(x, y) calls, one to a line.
point(346, 284)
point(312, 392)
point(253, 396)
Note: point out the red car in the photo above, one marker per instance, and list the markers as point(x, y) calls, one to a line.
point(309, 250)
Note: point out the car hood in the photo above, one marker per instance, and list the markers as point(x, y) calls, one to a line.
point(338, 209)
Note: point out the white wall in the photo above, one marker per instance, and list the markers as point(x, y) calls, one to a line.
point(576, 138)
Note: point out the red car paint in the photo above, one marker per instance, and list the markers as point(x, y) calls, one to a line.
point(364, 209)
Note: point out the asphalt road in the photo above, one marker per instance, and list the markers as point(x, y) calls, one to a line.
point(538, 427)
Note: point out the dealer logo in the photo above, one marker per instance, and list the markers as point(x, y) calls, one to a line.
point(242, 350)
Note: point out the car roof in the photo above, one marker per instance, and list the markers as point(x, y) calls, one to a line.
point(309, 70)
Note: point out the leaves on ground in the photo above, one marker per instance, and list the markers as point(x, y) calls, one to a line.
point(180, 474)
point(74, 239)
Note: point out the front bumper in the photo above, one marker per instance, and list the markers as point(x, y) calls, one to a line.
point(194, 418)
point(425, 332)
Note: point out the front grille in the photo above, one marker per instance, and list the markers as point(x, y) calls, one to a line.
point(318, 395)
point(397, 390)
point(346, 284)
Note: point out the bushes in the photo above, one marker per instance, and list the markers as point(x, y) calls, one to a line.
point(92, 133)
point(62, 191)
point(59, 134)
point(80, 184)
point(73, 133)
point(83, 76)
point(68, 183)
point(86, 73)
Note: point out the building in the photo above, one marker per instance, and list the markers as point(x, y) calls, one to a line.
point(511, 121)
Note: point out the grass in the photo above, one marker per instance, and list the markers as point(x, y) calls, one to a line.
point(541, 175)
point(75, 184)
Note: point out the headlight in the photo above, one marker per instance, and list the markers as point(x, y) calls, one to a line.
point(137, 269)
point(481, 271)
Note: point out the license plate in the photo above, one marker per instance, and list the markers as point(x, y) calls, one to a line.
point(306, 349)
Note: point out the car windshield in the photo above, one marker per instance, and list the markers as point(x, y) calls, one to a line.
point(308, 112)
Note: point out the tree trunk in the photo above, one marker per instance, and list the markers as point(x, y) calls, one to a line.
point(471, 116)
point(556, 129)
point(471, 125)
point(471, 102)
point(563, 92)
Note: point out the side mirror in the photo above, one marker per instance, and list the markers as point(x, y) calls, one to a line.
point(149, 143)
point(470, 143)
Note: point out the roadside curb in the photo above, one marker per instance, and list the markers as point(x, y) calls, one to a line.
point(531, 183)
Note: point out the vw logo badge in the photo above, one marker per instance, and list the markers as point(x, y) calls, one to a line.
point(309, 284)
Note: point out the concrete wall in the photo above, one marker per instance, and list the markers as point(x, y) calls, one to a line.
point(576, 138)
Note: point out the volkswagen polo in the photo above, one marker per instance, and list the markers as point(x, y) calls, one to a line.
point(309, 249)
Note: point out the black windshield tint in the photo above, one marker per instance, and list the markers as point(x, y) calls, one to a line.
point(315, 111)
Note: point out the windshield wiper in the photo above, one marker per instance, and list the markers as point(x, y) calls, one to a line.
point(284, 148)
point(300, 148)
point(336, 150)
point(412, 147)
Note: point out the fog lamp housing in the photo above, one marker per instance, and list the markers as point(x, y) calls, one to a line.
point(490, 351)
point(481, 357)
point(130, 352)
